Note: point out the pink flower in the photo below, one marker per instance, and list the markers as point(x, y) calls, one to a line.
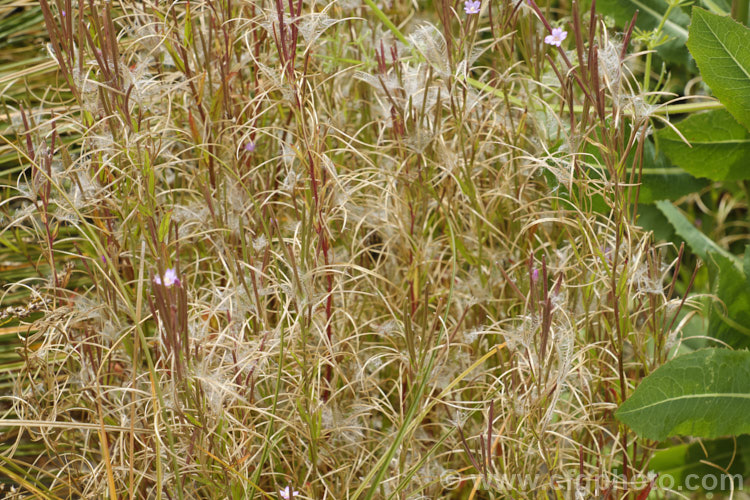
point(287, 493)
point(556, 38)
point(170, 278)
point(472, 7)
point(250, 146)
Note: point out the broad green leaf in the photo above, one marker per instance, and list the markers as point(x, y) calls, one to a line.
point(698, 242)
point(668, 183)
point(721, 48)
point(650, 14)
point(681, 461)
point(730, 317)
point(719, 146)
point(704, 394)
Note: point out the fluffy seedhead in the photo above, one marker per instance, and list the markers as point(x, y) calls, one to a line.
point(425, 263)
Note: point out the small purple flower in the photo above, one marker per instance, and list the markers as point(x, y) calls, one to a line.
point(288, 493)
point(535, 275)
point(472, 7)
point(556, 38)
point(250, 146)
point(170, 278)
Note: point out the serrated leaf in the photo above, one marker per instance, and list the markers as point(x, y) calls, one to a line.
point(702, 394)
point(721, 48)
point(719, 146)
point(650, 14)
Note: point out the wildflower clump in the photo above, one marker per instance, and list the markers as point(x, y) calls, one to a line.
point(354, 254)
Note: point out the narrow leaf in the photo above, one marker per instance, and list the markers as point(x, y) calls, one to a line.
point(698, 242)
point(164, 226)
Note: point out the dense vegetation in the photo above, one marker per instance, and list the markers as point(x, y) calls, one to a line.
point(376, 249)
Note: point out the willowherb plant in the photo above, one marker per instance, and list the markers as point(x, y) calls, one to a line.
point(310, 259)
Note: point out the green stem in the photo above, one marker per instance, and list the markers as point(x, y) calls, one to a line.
point(647, 70)
point(384, 19)
point(693, 107)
